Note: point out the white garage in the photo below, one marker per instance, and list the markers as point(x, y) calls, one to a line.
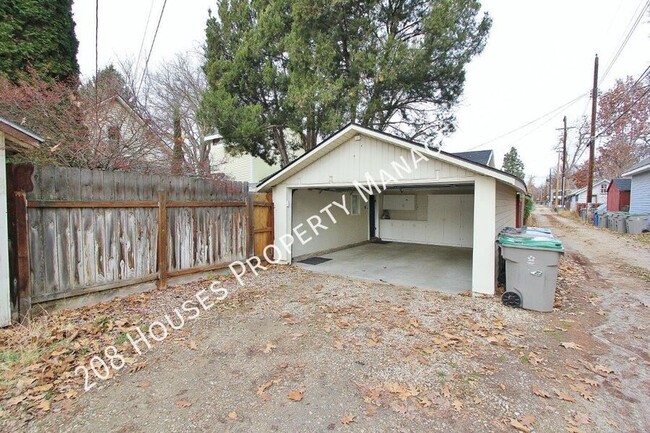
point(361, 189)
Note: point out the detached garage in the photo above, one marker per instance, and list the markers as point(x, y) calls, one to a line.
point(368, 204)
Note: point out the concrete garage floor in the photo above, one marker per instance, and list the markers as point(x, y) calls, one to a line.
point(448, 269)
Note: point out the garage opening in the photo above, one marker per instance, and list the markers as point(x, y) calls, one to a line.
point(419, 236)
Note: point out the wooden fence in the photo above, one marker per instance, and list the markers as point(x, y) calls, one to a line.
point(79, 231)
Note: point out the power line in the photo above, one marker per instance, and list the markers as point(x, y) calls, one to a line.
point(153, 41)
point(638, 19)
point(550, 113)
point(144, 35)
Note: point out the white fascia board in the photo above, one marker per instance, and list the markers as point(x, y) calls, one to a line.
point(352, 130)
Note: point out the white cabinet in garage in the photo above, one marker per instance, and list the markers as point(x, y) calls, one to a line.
point(450, 220)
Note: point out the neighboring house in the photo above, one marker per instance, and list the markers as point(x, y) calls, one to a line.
point(122, 138)
point(12, 138)
point(485, 157)
point(578, 198)
point(445, 201)
point(640, 186)
point(243, 168)
point(618, 195)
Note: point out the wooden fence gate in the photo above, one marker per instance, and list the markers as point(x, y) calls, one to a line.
point(78, 231)
point(262, 223)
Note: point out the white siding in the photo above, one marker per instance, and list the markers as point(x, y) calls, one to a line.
point(506, 207)
point(5, 301)
point(262, 169)
point(640, 193)
point(353, 159)
point(239, 167)
point(348, 230)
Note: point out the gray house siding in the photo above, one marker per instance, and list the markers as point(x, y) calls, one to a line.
point(640, 193)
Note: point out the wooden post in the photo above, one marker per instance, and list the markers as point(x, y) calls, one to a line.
point(162, 240)
point(22, 253)
point(250, 251)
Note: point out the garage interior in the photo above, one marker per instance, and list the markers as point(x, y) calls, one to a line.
point(418, 236)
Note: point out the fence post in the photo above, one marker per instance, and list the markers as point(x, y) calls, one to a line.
point(251, 224)
point(20, 185)
point(162, 239)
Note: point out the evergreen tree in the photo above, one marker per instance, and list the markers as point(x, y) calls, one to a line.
point(283, 73)
point(513, 164)
point(38, 36)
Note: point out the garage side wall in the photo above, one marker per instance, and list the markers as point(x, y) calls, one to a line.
point(506, 207)
point(348, 230)
point(5, 306)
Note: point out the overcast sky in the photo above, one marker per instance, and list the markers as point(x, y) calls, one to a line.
point(539, 56)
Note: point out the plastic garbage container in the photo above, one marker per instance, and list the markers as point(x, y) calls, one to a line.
point(619, 222)
point(531, 270)
point(636, 223)
point(602, 220)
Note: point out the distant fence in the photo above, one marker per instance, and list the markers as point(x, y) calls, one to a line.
point(78, 231)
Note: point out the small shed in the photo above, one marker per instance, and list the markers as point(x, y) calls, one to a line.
point(618, 195)
point(12, 138)
point(380, 187)
point(578, 199)
point(640, 186)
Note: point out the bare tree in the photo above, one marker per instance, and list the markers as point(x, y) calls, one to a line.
point(174, 93)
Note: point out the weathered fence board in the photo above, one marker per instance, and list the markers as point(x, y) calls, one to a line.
point(91, 230)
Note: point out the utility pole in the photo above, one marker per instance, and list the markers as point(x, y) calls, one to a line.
point(592, 135)
point(550, 185)
point(564, 163)
point(557, 180)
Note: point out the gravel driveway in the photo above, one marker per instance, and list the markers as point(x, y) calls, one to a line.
point(299, 351)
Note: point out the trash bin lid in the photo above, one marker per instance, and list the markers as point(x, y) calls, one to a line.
point(531, 242)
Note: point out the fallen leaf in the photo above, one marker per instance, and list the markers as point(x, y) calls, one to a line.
point(589, 381)
point(540, 392)
point(145, 384)
point(519, 426)
point(232, 415)
point(604, 369)
point(581, 418)
point(45, 405)
point(527, 420)
point(14, 401)
point(347, 419)
point(583, 391)
point(193, 345)
point(269, 347)
point(564, 396)
point(183, 403)
point(458, 405)
point(445, 391)
point(296, 394)
point(611, 422)
point(370, 410)
point(571, 345)
point(261, 390)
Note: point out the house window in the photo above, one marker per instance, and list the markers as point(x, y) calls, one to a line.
point(355, 205)
point(114, 134)
point(603, 188)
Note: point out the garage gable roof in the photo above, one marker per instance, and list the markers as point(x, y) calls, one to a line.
point(19, 135)
point(353, 129)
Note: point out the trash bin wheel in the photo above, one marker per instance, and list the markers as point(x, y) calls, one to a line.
point(511, 299)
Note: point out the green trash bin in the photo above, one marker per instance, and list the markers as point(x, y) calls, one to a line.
point(531, 270)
